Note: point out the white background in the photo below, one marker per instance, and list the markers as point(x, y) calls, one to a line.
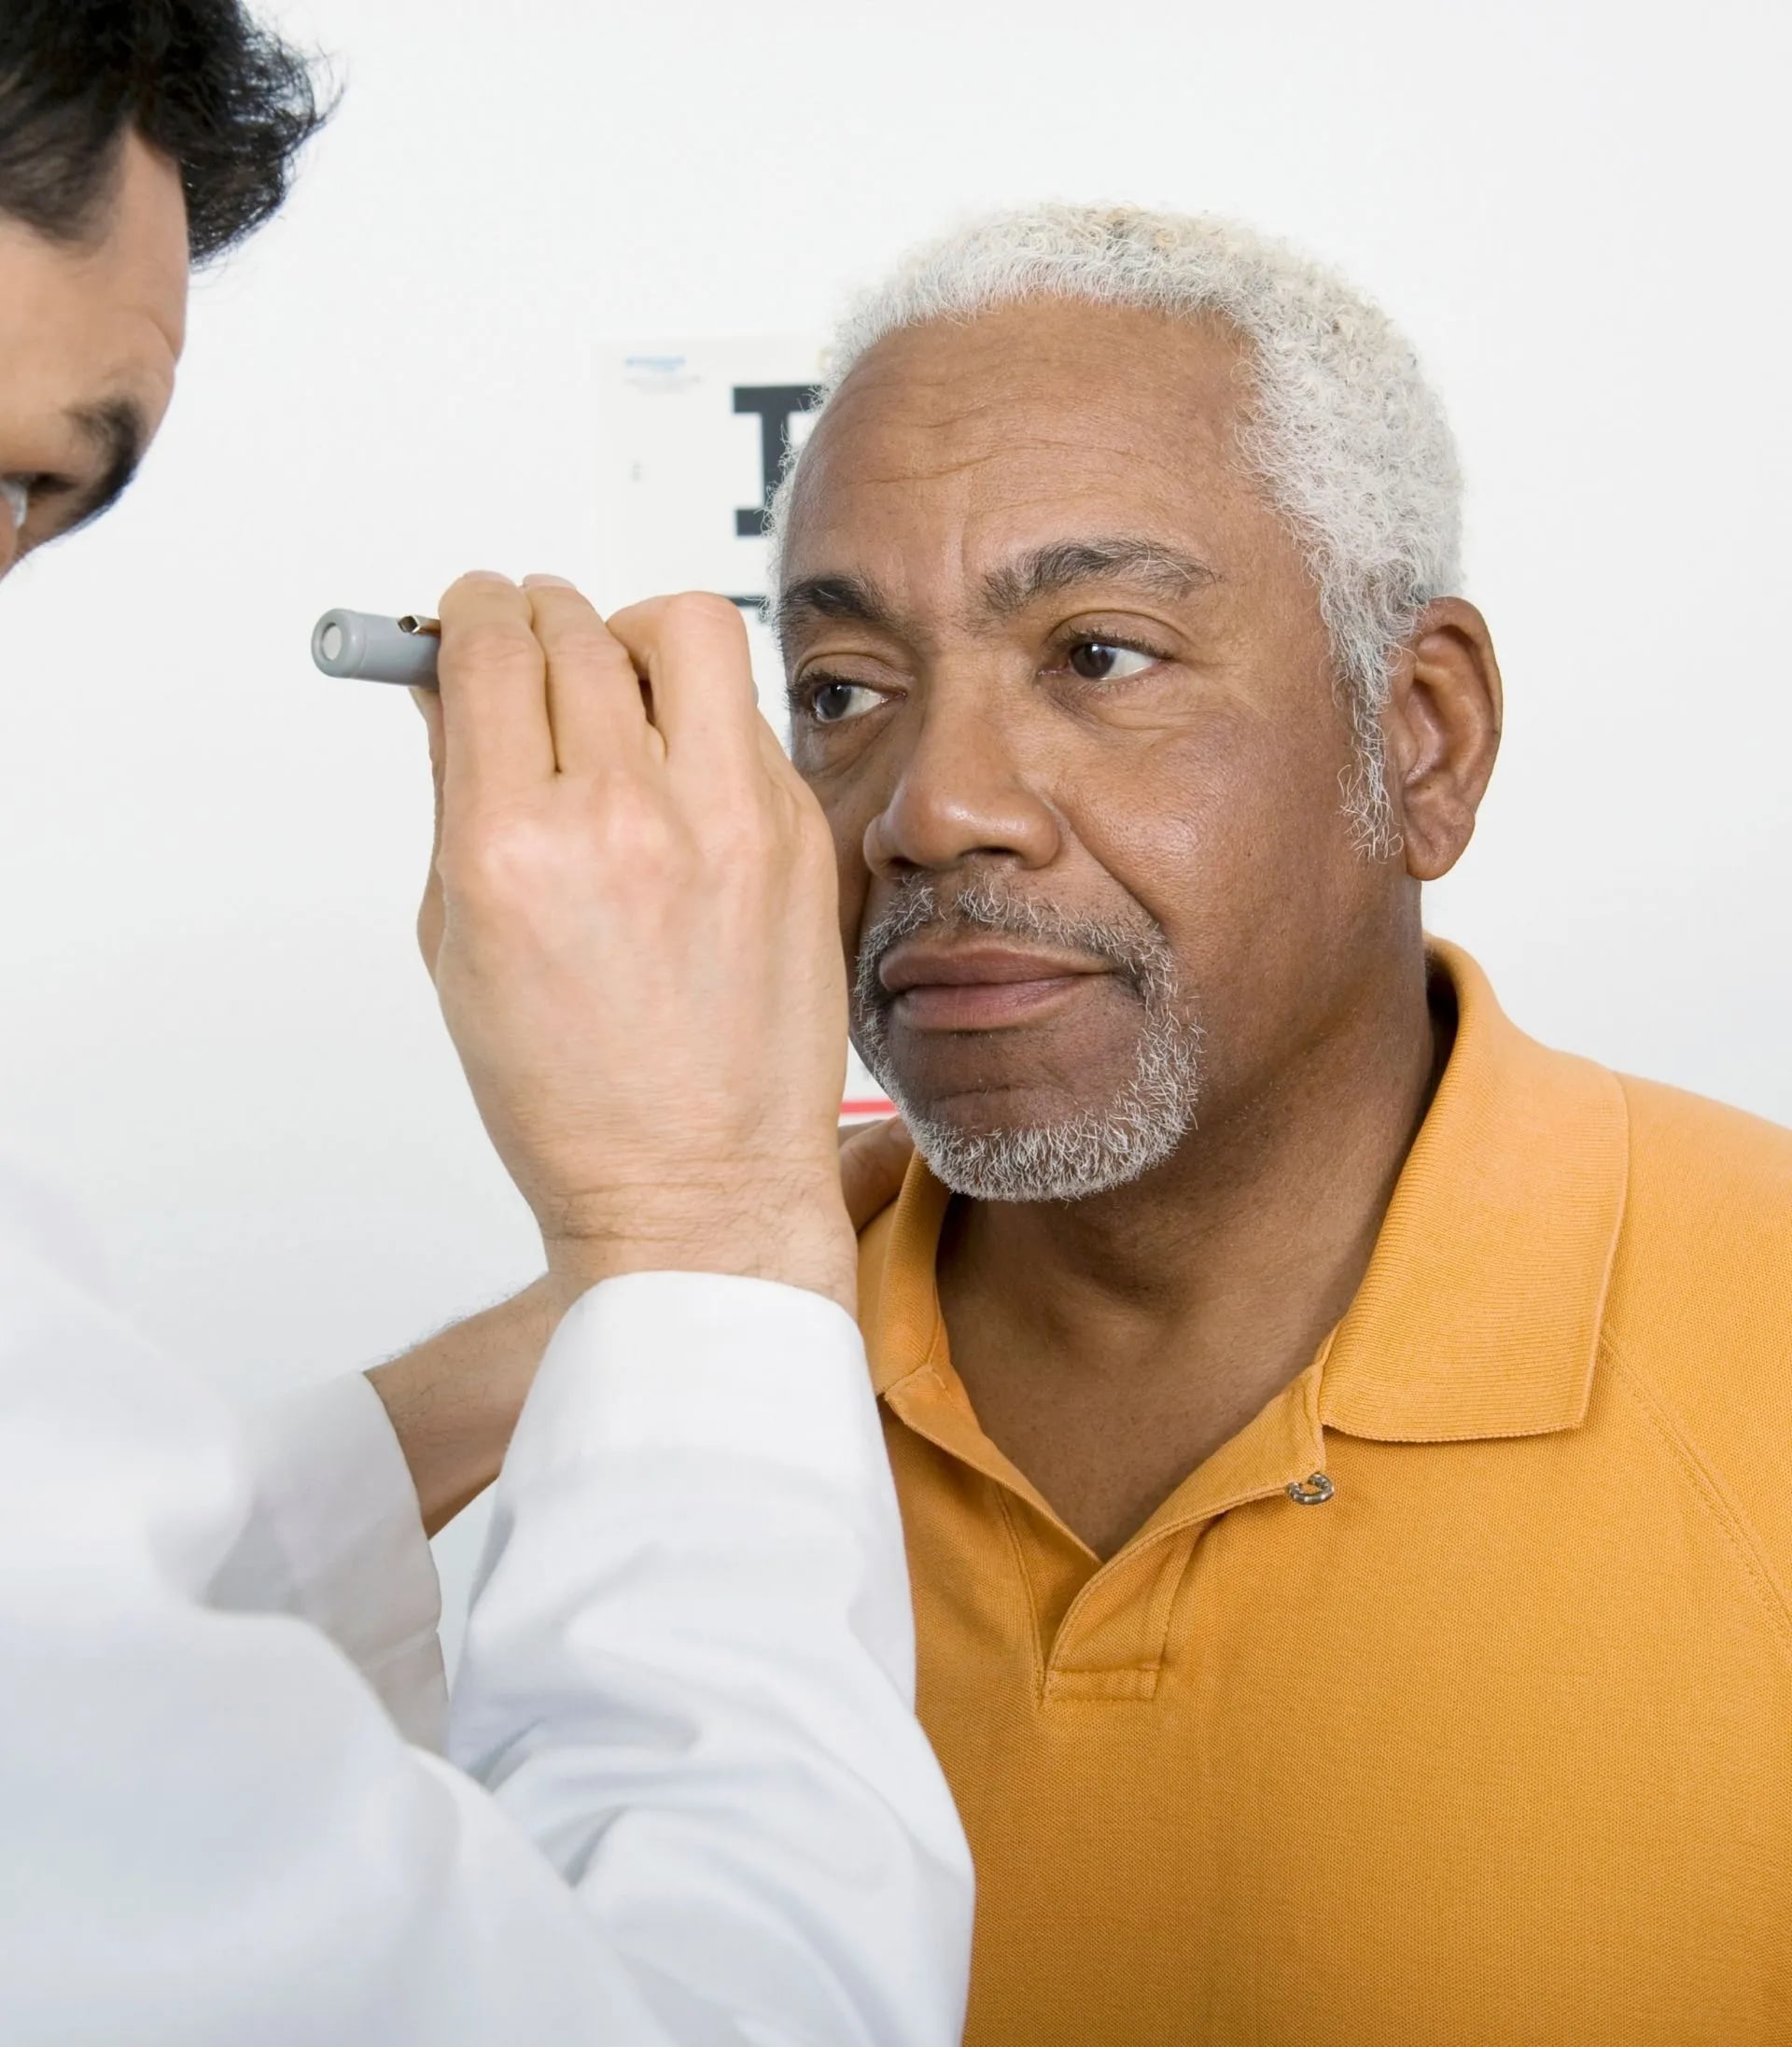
point(214, 1026)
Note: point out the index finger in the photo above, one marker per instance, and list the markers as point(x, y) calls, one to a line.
point(594, 694)
point(692, 651)
point(496, 739)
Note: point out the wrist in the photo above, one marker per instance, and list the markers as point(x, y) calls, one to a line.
point(454, 1399)
point(795, 1231)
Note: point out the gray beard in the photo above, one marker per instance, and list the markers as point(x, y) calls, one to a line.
point(1148, 1115)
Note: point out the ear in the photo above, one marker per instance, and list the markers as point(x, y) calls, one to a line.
point(1441, 725)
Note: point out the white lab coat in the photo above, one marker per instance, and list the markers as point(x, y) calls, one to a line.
point(704, 1811)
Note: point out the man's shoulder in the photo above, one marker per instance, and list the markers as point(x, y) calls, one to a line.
point(1698, 1314)
point(1708, 1203)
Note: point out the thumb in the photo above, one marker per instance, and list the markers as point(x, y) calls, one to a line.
point(429, 915)
point(873, 1159)
point(429, 704)
point(429, 708)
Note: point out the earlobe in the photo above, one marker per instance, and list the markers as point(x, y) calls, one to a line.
point(1442, 727)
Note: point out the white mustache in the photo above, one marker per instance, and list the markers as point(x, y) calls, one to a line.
point(1141, 955)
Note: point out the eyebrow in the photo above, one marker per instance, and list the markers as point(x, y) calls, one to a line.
point(1041, 572)
point(115, 429)
point(854, 598)
point(1122, 557)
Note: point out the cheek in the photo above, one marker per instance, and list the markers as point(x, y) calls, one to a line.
point(1234, 840)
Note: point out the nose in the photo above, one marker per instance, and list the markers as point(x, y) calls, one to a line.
point(963, 793)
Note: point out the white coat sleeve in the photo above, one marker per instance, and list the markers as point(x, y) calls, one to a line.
point(712, 1817)
point(334, 1535)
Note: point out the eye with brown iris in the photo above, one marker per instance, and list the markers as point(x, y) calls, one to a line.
point(832, 701)
point(1101, 661)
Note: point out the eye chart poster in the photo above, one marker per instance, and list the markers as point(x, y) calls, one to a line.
point(692, 437)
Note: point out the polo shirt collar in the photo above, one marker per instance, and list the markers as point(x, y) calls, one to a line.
point(1479, 1315)
point(899, 1300)
point(1481, 1310)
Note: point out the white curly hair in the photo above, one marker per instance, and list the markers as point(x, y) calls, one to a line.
point(1348, 441)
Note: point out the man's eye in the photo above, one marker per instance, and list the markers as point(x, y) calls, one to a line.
point(831, 702)
point(1101, 661)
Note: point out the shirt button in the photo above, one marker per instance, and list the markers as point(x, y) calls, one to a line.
point(1314, 1492)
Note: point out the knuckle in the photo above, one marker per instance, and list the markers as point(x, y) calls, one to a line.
point(700, 617)
point(475, 581)
point(490, 646)
point(635, 853)
point(497, 861)
point(480, 593)
point(583, 643)
point(460, 868)
point(644, 838)
point(703, 607)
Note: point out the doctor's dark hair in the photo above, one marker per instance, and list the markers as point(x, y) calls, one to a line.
point(199, 80)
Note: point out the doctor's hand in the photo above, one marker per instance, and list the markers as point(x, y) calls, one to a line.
point(873, 1157)
point(639, 958)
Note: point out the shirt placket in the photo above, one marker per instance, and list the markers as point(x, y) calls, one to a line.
point(1102, 1628)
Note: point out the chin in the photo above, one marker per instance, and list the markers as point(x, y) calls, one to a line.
point(997, 1122)
point(997, 1110)
point(1074, 1159)
point(1004, 1144)
point(986, 1082)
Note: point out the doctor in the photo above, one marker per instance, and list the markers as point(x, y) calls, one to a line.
point(693, 1802)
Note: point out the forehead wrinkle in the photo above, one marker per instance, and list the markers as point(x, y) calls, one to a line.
point(1024, 438)
point(939, 392)
point(912, 473)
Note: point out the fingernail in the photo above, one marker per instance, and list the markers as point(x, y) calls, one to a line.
point(485, 575)
point(546, 583)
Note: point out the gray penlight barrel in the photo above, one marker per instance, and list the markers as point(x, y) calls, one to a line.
point(361, 644)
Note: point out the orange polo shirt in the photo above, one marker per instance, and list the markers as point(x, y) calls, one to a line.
point(1492, 1745)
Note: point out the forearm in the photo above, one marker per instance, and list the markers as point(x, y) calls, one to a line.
point(453, 1399)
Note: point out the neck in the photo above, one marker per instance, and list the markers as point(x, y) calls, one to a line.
point(1190, 1299)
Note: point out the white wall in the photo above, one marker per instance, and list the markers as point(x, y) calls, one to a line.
point(214, 1023)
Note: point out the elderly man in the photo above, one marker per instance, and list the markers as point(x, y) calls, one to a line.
point(1342, 1444)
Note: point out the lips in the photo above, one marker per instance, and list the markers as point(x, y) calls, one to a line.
point(981, 986)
